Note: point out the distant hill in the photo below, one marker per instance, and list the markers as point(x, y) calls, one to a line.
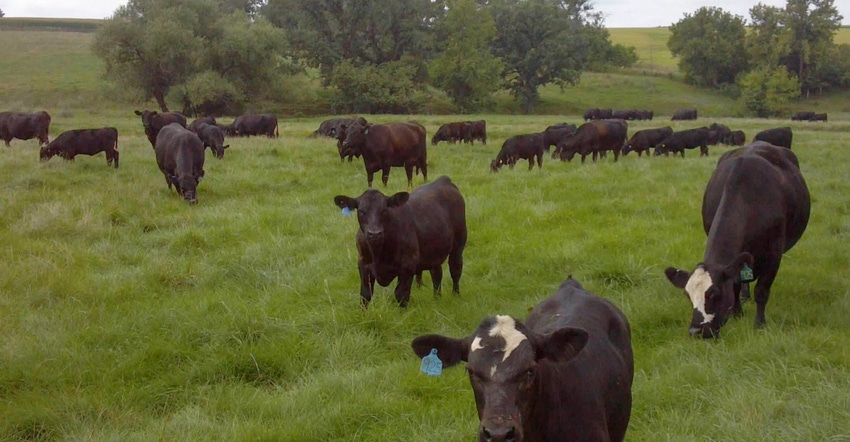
point(49, 24)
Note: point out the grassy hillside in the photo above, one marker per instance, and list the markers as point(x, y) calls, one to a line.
point(129, 315)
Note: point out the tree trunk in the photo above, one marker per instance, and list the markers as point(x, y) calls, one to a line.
point(159, 95)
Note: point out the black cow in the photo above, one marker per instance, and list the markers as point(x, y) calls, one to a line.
point(556, 134)
point(684, 114)
point(684, 139)
point(199, 121)
point(332, 127)
point(778, 136)
point(594, 137)
point(756, 207)
point(213, 137)
point(407, 234)
point(154, 121)
point(565, 374)
point(24, 126)
point(736, 138)
point(84, 142)
point(802, 116)
point(591, 114)
point(624, 114)
point(642, 140)
point(644, 115)
point(180, 157)
point(388, 145)
point(818, 117)
point(605, 114)
point(259, 124)
point(453, 132)
point(478, 131)
point(528, 147)
point(722, 132)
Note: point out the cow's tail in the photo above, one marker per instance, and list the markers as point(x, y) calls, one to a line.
point(276, 133)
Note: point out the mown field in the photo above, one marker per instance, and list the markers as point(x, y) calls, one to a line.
point(129, 315)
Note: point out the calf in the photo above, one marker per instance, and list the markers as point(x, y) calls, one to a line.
point(213, 137)
point(180, 157)
point(685, 139)
point(527, 147)
point(642, 140)
point(778, 136)
point(453, 132)
point(199, 121)
point(565, 374)
point(755, 207)
point(84, 142)
point(388, 145)
point(154, 121)
point(24, 126)
point(594, 137)
point(406, 234)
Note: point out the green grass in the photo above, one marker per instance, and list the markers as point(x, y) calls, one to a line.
point(651, 47)
point(129, 315)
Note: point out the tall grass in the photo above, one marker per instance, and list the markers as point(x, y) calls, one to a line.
point(127, 314)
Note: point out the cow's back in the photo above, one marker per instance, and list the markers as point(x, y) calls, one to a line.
point(178, 147)
point(396, 142)
point(598, 380)
point(438, 212)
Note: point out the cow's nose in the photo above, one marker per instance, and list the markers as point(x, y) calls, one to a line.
point(694, 331)
point(501, 434)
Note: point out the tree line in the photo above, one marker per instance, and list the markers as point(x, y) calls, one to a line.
point(782, 54)
point(372, 56)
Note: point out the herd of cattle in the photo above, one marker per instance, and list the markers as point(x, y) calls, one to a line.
point(568, 369)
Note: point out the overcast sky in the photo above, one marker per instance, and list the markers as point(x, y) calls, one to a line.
point(619, 13)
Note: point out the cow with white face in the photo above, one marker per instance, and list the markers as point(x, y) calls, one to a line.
point(565, 374)
point(755, 208)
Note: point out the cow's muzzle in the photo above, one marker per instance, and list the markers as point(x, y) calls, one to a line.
point(499, 429)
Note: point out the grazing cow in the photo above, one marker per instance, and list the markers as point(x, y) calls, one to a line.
point(605, 114)
point(260, 124)
point(644, 115)
point(199, 121)
point(388, 145)
point(407, 234)
point(684, 114)
point(154, 121)
point(528, 147)
point(624, 114)
point(778, 136)
point(24, 126)
point(756, 207)
point(642, 140)
point(722, 132)
point(213, 137)
point(802, 116)
point(180, 157)
point(332, 127)
point(84, 142)
point(736, 138)
point(565, 374)
point(557, 133)
point(594, 137)
point(478, 131)
point(453, 132)
point(684, 139)
point(818, 117)
point(591, 114)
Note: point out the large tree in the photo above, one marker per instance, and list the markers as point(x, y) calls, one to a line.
point(811, 25)
point(465, 69)
point(540, 42)
point(710, 46)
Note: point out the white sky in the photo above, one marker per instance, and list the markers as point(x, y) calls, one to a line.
point(619, 13)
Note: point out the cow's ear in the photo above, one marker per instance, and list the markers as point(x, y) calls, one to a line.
point(449, 350)
point(368, 126)
point(137, 112)
point(679, 278)
point(561, 345)
point(733, 270)
point(343, 201)
point(398, 199)
point(225, 146)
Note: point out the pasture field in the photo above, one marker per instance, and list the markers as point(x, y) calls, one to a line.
point(127, 314)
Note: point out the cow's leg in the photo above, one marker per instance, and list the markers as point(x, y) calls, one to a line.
point(583, 157)
point(423, 166)
point(385, 174)
point(745, 292)
point(616, 155)
point(737, 309)
point(167, 181)
point(367, 286)
point(402, 290)
point(115, 156)
point(455, 269)
point(594, 156)
point(762, 291)
point(7, 141)
point(540, 161)
point(437, 279)
point(531, 162)
point(408, 170)
point(369, 176)
point(419, 280)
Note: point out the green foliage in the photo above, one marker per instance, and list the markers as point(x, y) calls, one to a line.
point(465, 69)
point(540, 42)
point(603, 54)
point(710, 46)
point(208, 93)
point(765, 91)
point(387, 88)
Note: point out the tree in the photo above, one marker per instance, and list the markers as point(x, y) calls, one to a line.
point(767, 42)
point(811, 25)
point(466, 69)
point(765, 90)
point(540, 42)
point(710, 46)
point(2, 14)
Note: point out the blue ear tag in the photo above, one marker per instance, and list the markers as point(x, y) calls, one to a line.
point(747, 274)
point(346, 211)
point(431, 364)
